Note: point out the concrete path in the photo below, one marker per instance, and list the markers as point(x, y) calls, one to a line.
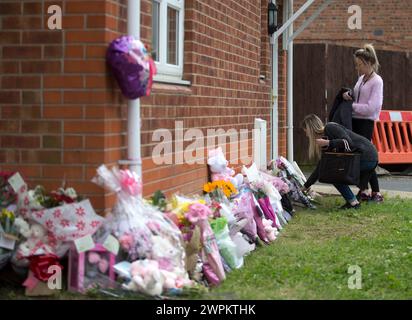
point(329, 189)
point(390, 185)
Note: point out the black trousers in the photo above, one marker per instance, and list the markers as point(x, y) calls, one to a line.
point(364, 128)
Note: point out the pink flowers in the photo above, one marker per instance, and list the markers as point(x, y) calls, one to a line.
point(280, 185)
point(130, 182)
point(198, 212)
point(126, 241)
point(259, 184)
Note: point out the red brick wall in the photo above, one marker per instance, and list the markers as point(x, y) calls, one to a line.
point(390, 16)
point(226, 50)
point(62, 114)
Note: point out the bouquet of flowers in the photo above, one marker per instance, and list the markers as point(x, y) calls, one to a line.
point(281, 186)
point(8, 235)
point(159, 200)
point(55, 198)
point(198, 215)
point(219, 189)
point(257, 188)
point(263, 193)
point(227, 247)
point(7, 194)
point(180, 206)
point(294, 179)
point(7, 226)
point(143, 231)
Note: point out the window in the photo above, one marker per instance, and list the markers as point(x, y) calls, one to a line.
point(167, 40)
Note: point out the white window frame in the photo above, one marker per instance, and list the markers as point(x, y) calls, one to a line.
point(170, 73)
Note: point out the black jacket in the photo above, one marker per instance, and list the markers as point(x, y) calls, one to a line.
point(335, 133)
point(341, 111)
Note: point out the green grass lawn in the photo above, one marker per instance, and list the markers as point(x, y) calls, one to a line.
point(311, 257)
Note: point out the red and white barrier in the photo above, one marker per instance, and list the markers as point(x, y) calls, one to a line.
point(392, 137)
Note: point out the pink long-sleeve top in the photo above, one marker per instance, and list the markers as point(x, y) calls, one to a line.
point(370, 101)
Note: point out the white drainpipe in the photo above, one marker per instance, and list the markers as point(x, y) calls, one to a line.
point(290, 85)
point(275, 114)
point(259, 147)
point(133, 122)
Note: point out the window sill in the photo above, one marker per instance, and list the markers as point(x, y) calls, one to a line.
point(170, 80)
point(160, 87)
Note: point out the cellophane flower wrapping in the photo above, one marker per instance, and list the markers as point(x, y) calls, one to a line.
point(143, 231)
point(227, 247)
point(289, 175)
point(59, 216)
point(198, 214)
point(70, 221)
point(242, 209)
point(281, 186)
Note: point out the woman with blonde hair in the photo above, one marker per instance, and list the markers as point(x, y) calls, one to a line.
point(367, 103)
point(332, 136)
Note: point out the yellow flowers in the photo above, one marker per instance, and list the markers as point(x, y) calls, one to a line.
point(226, 186)
point(180, 206)
point(7, 220)
point(7, 214)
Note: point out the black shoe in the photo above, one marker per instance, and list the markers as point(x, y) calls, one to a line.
point(377, 197)
point(347, 206)
point(363, 196)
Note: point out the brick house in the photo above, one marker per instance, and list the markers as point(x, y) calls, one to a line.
point(62, 114)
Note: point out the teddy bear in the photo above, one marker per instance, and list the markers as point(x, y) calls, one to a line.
point(22, 227)
point(219, 168)
point(97, 262)
point(174, 281)
point(271, 232)
point(146, 277)
point(165, 253)
point(36, 239)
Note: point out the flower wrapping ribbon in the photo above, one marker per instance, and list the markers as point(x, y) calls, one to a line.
point(130, 182)
point(40, 265)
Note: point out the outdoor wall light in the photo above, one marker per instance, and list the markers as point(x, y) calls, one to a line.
point(272, 17)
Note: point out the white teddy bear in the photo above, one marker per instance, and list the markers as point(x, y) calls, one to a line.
point(146, 278)
point(220, 170)
point(36, 239)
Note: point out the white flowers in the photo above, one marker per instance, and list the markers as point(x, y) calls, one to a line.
point(71, 193)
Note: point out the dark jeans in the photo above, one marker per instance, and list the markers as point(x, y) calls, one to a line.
point(366, 169)
point(364, 128)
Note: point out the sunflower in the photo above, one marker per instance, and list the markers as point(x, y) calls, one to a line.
point(207, 187)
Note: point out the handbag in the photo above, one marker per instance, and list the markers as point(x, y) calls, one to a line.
point(340, 167)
